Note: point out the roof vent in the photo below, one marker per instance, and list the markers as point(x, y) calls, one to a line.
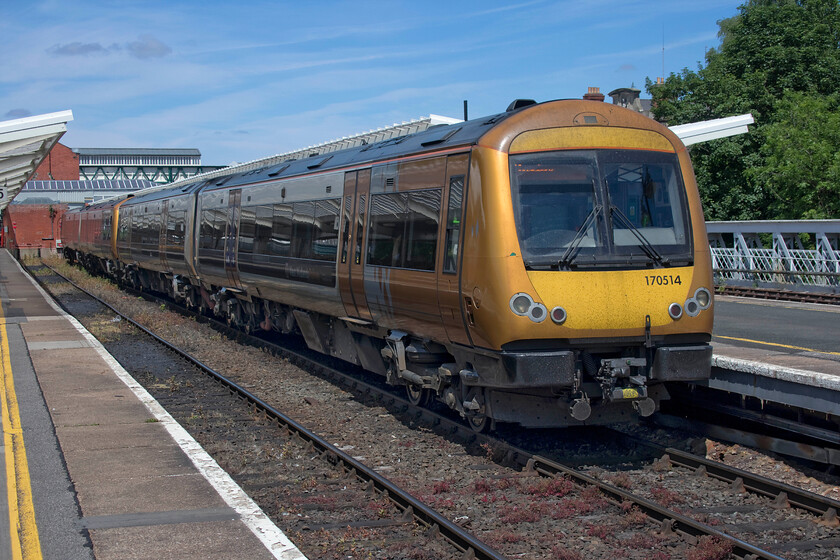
point(519, 103)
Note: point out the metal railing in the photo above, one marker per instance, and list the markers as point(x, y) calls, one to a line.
point(801, 254)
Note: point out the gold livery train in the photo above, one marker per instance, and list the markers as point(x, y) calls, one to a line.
point(546, 266)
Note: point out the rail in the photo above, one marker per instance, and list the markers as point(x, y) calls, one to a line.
point(789, 254)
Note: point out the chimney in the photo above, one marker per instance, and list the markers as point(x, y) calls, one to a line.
point(660, 81)
point(594, 94)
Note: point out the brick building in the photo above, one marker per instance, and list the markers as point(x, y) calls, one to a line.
point(61, 164)
point(33, 226)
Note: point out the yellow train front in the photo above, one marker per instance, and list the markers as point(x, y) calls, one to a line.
point(586, 271)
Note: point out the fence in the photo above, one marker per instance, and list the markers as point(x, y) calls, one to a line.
point(740, 257)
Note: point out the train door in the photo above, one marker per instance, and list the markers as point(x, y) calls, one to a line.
point(449, 260)
point(232, 238)
point(351, 260)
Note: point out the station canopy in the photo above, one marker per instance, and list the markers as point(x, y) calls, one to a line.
point(24, 143)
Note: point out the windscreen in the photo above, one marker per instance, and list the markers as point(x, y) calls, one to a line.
point(582, 208)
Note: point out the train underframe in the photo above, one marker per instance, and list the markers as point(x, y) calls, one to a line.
point(575, 383)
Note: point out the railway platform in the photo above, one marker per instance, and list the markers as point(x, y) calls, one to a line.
point(781, 352)
point(94, 467)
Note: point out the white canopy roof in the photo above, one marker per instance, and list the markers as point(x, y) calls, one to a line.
point(694, 133)
point(24, 143)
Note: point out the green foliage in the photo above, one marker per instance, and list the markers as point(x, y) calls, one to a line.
point(801, 155)
point(780, 61)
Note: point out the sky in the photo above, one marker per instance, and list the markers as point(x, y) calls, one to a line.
point(242, 80)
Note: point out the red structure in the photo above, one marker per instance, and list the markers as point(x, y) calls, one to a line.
point(61, 164)
point(32, 226)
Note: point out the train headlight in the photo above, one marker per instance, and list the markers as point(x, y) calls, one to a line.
point(692, 308)
point(703, 298)
point(675, 310)
point(521, 304)
point(558, 315)
point(525, 306)
point(537, 313)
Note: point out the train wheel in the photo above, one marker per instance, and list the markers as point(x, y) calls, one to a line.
point(418, 396)
point(480, 423)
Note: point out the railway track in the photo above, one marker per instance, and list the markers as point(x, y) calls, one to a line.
point(601, 496)
point(340, 471)
point(778, 294)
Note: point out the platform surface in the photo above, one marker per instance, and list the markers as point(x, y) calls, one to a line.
point(93, 466)
point(779, 339)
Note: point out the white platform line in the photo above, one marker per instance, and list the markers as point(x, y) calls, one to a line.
point(274, 539)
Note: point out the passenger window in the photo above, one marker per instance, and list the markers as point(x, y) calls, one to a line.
point(263, 216)
point(404, 228)
point(281, 231)
point(304, 230)
point(219, 225)
point(247, 229)
point(325, 243)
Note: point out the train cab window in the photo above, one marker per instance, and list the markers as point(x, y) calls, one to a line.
point(555, 202)
point(453, 224)
point(404, 228)
point(594, 208)
point(646, 200)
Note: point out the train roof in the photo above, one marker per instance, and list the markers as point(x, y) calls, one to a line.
point(166, 191)
point(432, 139)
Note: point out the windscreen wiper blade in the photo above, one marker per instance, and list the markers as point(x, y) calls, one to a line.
point(644, 244)
point(571, 251)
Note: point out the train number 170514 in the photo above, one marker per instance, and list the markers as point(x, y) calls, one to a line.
point(662, 279)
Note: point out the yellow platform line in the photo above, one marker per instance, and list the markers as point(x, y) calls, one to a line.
point(777, 344)
point(23, 528)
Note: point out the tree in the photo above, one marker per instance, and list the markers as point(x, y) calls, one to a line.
point(769, 50)
point(801, 157)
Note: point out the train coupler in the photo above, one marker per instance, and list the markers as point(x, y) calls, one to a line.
point(623, 379)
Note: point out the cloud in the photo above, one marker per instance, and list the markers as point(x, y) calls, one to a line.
point(148, 47)
point(627, 68)
point(18, 114)
point(145, 47)
point(77, 49)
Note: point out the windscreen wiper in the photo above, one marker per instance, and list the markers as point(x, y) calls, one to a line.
point(571, 251)
point(644, 244)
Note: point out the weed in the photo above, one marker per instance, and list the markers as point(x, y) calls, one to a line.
point(562, 553)
point(517, 514)
point(622, 480)
point(600, 531)
point(710, 548)
point(666, 497)
point(501, 537)
point(546, 487)
point(483, 485)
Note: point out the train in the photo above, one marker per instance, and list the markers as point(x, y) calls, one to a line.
point(546, 266)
